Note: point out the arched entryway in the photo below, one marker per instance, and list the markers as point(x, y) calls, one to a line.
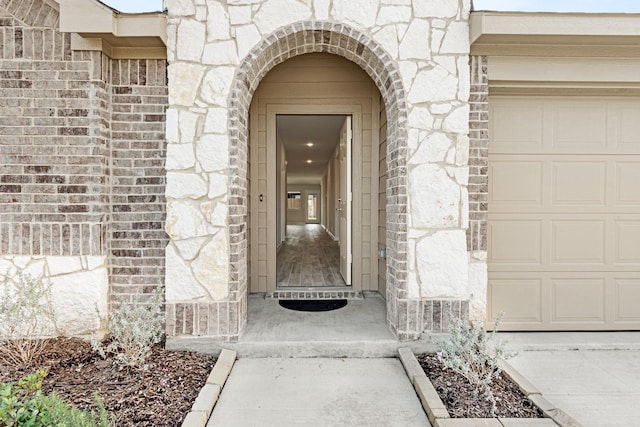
point(337, 39)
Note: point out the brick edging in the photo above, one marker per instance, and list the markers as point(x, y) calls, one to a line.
point(439, 417)
point(201, 410)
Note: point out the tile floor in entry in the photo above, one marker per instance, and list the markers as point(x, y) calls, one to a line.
point(309, 257)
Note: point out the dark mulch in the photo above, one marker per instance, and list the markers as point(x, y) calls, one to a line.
point(458, 394)
point(160, 396)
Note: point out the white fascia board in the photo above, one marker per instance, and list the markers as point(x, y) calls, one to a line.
point(92, 17)
point(494, 24)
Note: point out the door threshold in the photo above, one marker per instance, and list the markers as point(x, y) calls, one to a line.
point(340, 292)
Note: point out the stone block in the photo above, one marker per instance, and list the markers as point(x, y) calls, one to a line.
point(247, 37)
point(185, 220)
point(443, 265)
point(456, 39)
point(541, 402)
point(468, 422)
point(410, 363)
point(211, 267)
point(415, 43)
point(431, 402)
point(435, 9)
point(184, 80)
point(215, 86)
point(220, 53)
point(190, 42)
point(271, 16)
point(196, 419)
point(180, 156)
point(185, 185)
point(361, 13)
point(180, 7)
point(433, 85)
point(524, 384)
point(435, 197)
point(218, 27)
point(222, 368)
point(527, 422)
point(207, 398)
point(212, 152)
point(75, 297)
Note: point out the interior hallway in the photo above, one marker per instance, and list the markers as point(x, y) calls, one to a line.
point(309, 257)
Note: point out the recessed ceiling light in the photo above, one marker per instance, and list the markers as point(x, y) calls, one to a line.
point(309, 144)
point(308, 161)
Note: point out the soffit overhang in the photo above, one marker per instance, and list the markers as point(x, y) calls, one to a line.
point(555, 34)
point(96, 26)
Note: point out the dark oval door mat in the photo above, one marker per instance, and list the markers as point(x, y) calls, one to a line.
point(313, 304)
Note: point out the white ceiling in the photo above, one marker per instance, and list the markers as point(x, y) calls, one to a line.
point(295, 131)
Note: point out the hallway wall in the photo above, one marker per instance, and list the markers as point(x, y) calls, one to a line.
point(299, 216)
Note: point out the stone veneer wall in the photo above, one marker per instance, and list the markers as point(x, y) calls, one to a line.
point(60, 159)
point(478, 186)
point(417, 54)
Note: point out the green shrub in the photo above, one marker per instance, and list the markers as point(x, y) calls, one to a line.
point(24, 405)
point(475, 354)
point(25, 316)
point(133, 330)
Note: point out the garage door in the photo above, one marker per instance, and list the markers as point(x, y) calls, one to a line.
point(564, 213)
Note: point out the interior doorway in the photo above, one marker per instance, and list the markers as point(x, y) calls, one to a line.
point(314, 164)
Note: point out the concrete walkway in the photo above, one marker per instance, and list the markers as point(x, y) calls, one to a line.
point(337, 368)
point(318, 392)
point(593, 377)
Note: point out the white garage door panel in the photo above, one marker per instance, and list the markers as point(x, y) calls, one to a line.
point(564, 213)
point(578, 300)
point(627, 300)
point(565, 300)
point(515, 241)
point(628, 183)
point(564, 125)
point(627, 243)
point(578, 125)
point(579, 182)
point(578, 242)
point(519, 298)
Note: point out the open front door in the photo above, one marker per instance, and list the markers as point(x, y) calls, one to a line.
point(344, 201)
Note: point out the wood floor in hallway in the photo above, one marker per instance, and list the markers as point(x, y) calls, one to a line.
point(309, 257)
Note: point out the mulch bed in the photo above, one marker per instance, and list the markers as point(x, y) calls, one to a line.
point(160, 396)
point(458, 394)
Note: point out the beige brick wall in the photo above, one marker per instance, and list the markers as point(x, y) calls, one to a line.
point(54, 157)
point(138, 98)
point(82, 151)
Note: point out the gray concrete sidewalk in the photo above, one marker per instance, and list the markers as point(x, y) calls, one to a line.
point(318, 392)
point(594, 377)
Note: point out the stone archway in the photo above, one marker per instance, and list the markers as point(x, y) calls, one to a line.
point(339, 39)
point(419, 63)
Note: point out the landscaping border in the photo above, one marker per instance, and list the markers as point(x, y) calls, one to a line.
point(201, 410)
point(439, 417)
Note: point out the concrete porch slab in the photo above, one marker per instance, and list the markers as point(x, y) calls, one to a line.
point(358, 330)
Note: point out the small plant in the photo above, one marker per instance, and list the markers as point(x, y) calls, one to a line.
point(25, 316)
point(133, 330)
point(474, 354)
point(24, 405)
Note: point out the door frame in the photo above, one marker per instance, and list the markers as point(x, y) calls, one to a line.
point(312, 107)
